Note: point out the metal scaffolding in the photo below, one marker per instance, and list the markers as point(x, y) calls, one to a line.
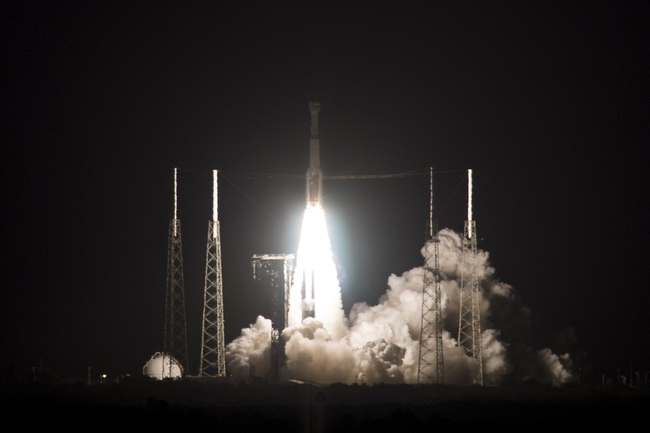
point(469, 329)
point(213, 362)
point(277, 270)
point(175, 339)
point(175, 342)
point(431, 367)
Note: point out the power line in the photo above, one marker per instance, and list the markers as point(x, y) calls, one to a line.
point(253, 175)
point(251, 200)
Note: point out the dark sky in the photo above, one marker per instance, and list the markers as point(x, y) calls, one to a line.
point(547, 102)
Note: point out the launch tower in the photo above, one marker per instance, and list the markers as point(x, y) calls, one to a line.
point(213, 362)
point(175, 340)
point(431, 367)
point(277, 271)
point(469, 329)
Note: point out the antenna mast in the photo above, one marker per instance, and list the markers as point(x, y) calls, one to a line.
point(175, 340)
point(431, 367)
point(469, 329)
point(213, 362)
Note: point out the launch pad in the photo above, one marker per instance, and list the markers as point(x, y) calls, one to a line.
point(317, 292)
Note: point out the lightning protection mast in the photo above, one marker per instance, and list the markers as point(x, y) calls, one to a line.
point(175, 341)
point(431, 367)
point(213, 362)
point(469, 329)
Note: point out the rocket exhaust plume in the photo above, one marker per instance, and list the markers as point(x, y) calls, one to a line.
point(316, 292)
point(308, 294)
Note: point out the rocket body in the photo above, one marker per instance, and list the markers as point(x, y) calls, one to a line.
point(314, 200)
point(314, 173)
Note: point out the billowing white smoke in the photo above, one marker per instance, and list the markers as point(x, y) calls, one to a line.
point(380, 344)
point(252, 347)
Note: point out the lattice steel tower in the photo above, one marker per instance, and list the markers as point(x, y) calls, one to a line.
point(213, 362)
point(175, 341)
point(431, 366)
point(469, 329)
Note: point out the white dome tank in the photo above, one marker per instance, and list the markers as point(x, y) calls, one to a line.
point(159, 367)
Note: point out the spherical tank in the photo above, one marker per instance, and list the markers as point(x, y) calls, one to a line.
point(161, 366)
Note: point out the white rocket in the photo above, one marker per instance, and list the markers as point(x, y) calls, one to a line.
point(314, 200)
point(314, 173)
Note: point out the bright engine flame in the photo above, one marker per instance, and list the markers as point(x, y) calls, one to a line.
point(315, 267)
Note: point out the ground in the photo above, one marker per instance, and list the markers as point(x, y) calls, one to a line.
point(194, 406)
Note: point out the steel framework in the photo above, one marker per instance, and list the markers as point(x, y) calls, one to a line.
point(431, 367)
point(469, 327)
point(175, 338)
point(213, 362)
point(277, 269)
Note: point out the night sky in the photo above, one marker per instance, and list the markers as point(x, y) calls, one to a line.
point(547, 102)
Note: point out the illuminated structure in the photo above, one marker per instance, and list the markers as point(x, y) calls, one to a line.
point(314, 200)
point(175, 340)
point(314, 173)
point(213, 362)
point(469, 329)
point(162, 366)
point(277, 271)
point(431, 368)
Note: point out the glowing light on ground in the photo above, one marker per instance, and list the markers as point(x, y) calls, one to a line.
point(316, 270)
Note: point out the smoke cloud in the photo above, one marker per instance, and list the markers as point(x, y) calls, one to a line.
point(380, 343)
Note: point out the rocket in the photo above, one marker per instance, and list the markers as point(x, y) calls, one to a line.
point(314, 173)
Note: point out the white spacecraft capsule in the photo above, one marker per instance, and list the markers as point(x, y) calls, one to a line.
point(314, 173)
